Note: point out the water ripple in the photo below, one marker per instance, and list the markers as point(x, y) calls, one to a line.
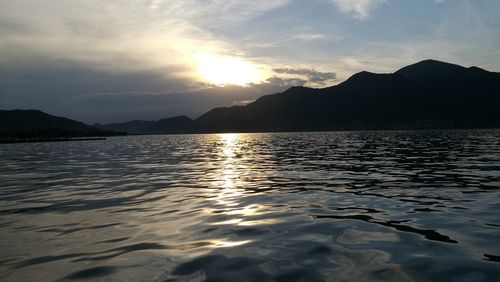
point(363, 206)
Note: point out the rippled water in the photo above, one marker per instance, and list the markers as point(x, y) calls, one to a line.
point(383, 206)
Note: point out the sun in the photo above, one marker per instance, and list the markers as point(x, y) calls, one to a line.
point(224, 70)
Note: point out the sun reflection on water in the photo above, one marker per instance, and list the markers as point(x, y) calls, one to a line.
point(228, 244)
point(229, 175)
point(234, 175)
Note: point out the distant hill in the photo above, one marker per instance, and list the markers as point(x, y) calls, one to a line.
point(131, 127)
point(426, 95)
point(429, 94)
point(37, 124)
point(178, 124)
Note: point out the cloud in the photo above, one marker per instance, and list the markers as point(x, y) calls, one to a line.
point(243, 102)
point(309, 36)
point(293, 39)
point(286, 82)
point(359, 9)
point(121, 36)
point(122, 106)
point(69, 89)
point(54, 51)
point(313, 76)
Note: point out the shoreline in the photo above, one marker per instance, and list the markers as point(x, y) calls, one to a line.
point(38, 140)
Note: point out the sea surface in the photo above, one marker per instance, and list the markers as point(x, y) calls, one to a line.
point(336, 206)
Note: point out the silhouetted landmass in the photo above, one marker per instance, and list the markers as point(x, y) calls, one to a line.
point(35, 125)
point(178, 124)
point(131, 127)
point(426, 95)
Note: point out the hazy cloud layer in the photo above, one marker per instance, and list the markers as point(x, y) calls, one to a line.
point(312, 75)
point(99, 96)
point(359, 9)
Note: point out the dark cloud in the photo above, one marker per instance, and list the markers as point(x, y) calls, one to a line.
point(122, 106)
point(77, 91)
point(60, 62)
point(312, 75)
point(286, 82)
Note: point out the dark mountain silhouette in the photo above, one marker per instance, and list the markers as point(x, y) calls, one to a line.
point(132, 127)
point(178, 124)
point(37, 124)
point(428, 94)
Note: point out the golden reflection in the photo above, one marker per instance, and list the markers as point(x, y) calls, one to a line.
point(232, 177)
point(227, 244)
point(259, 222)
point(229, 140)
point(229, 194)
point(228, 222)
point(249, 210)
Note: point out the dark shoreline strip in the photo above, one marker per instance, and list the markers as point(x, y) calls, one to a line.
point(35, 140)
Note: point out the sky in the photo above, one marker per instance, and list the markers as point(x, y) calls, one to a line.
point(119, 60)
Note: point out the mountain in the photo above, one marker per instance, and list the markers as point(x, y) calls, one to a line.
point(178, 124)
point(131, 127)
point(37, 124)
point(428, 94)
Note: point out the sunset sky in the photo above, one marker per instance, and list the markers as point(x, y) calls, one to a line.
point(118, 60)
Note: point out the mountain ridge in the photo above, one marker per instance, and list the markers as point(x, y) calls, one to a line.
point(428, 94)
point(37, 124)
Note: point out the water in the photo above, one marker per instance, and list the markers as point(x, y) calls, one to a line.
point(375, 206)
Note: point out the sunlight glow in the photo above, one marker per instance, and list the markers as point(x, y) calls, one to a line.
point(230, 185)
point(228, 244)
point(224, 70)
point(259, 222)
